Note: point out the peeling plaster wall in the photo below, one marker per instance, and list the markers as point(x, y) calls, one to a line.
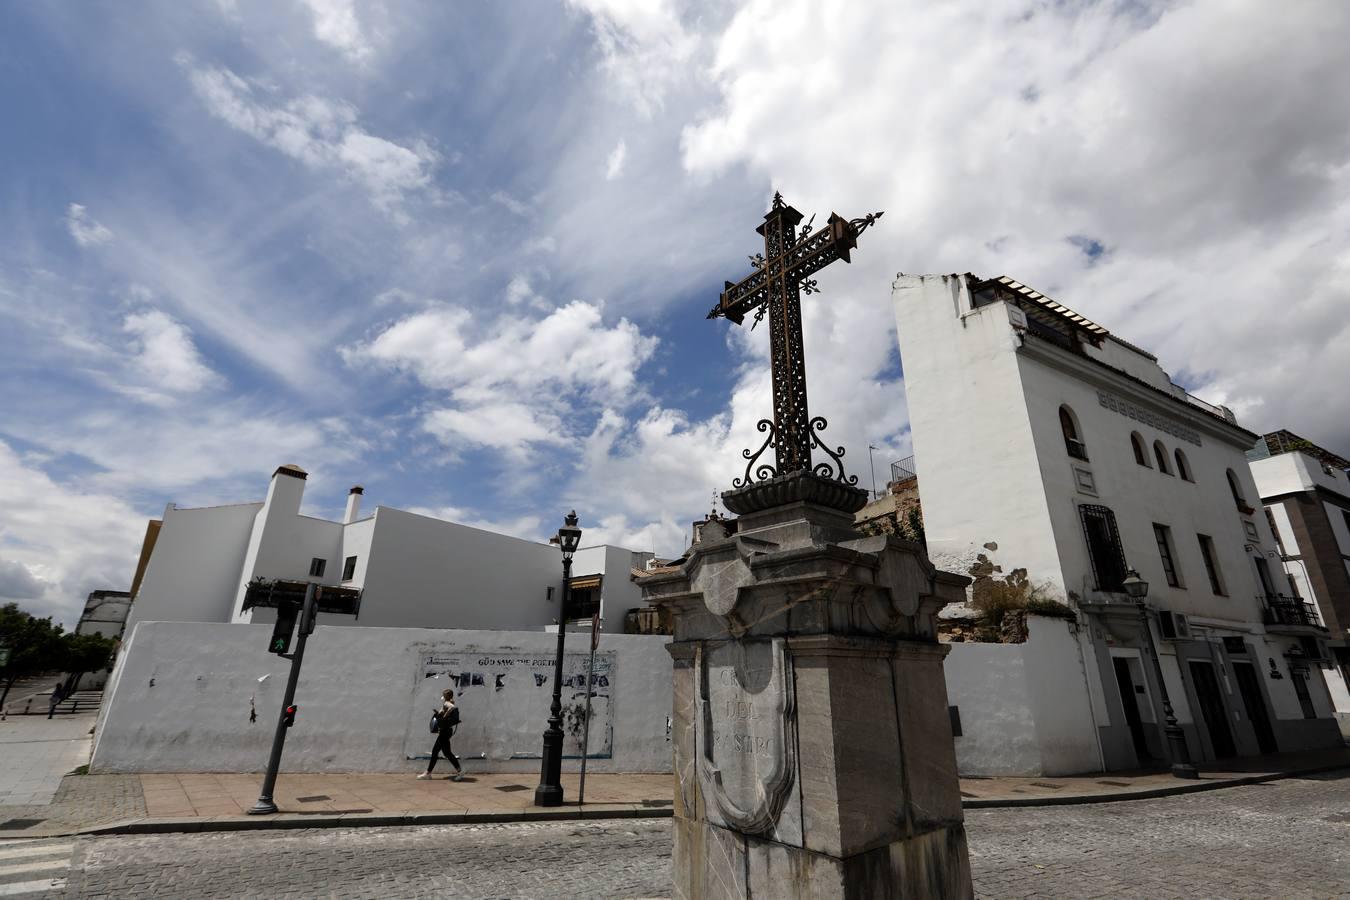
point(967, 406)
point(179, 700)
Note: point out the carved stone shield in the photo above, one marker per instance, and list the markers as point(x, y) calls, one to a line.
point(746, 732)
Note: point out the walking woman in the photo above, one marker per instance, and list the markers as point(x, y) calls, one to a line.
point(447, 720)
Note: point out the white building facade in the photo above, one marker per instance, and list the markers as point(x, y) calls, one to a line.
point(1044, 443)
point(413, 571)
point(1305, 490)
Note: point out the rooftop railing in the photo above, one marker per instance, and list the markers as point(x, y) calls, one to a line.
point(903, 469)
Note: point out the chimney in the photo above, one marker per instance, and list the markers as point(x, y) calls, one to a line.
point(286, 491)
point(353, 505)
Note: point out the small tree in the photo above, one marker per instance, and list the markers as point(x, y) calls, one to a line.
point(35, 646)
point(85, 653)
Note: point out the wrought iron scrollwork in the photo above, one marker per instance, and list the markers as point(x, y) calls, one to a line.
point(779, 276)
point(861, 225)
point(824, 469)
point(764, 470)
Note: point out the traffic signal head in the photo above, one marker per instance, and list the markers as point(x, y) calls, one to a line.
point(290, 715)
point(284, 629)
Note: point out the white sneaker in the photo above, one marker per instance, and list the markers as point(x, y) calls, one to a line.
point(424, 775)
point(458, 776)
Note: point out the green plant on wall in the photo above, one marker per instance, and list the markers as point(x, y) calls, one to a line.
point(1004, 603)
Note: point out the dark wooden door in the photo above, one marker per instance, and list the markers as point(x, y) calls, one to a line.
point(1129, 700)
point(1256, 706)
point(1212, 709)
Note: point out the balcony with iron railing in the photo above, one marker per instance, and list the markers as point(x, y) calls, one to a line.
point(903, 470)
point(1290, 613)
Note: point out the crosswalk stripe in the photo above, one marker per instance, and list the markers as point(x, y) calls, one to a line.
point(31, 887)
point(18, 851)
point(36, 866)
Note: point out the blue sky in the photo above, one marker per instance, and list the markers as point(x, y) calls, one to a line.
point(461, 253)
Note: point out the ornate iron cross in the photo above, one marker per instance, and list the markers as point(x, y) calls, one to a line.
point(781, 275)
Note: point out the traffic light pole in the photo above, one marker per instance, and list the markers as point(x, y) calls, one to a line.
point(265, 805)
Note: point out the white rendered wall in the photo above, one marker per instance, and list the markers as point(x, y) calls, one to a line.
point(193, 573)
point(181, 695)
point(1024, 708)
point(965, 397)
point(427, 573)
point(1141, 496)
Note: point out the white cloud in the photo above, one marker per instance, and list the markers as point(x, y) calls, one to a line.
point(84, 229)
point(646, 49)
point(528, 528)
point(164, 353)
point(61, 542)
point(511, 203)
point(1007, 139)
point(509, 378)
point(18, 583)
point(617, 157)
point(336, 24)
point(323, 135)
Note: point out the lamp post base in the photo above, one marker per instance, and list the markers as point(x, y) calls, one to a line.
point(1176, 745)
point(262, 808)
point(548, 795)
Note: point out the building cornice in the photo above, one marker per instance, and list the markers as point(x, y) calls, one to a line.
point(1100, 374)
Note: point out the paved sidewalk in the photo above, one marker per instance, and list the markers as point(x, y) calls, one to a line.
point(38, 752)
point(977, 793)
point(204, 802)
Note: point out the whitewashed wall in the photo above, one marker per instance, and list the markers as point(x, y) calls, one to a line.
point(181, 696)
point(193, 573)
point(1024, 707)
point(969, 400)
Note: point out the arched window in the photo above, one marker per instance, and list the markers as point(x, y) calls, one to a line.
point(1140, 454)
point(1160, 454)
point(1072, 442)
point(1183, 468)
point(1236, 488)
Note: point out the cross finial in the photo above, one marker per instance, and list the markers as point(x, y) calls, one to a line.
point(780, 276)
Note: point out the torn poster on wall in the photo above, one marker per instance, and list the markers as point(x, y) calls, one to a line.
point(504, 701)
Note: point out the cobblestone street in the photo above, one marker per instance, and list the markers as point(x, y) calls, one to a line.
point(1287, 839)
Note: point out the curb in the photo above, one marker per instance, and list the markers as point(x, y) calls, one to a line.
point(367, 820)
point(1184, 787)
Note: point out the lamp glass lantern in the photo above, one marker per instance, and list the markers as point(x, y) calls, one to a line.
point(569, 535)
point(1135, 587)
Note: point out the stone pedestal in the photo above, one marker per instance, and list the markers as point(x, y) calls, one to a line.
point(813, 747)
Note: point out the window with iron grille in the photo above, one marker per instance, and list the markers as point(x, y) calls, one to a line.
point(1163, 535)
point(1104, 549)
point(316, 567)
point(349, 568)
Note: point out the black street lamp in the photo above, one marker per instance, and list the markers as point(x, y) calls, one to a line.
point(1137, 588)
point(550, 792)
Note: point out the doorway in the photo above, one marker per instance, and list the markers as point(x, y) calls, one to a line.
point(1129, 694)
point(1256, 706)
point(1212, 709)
